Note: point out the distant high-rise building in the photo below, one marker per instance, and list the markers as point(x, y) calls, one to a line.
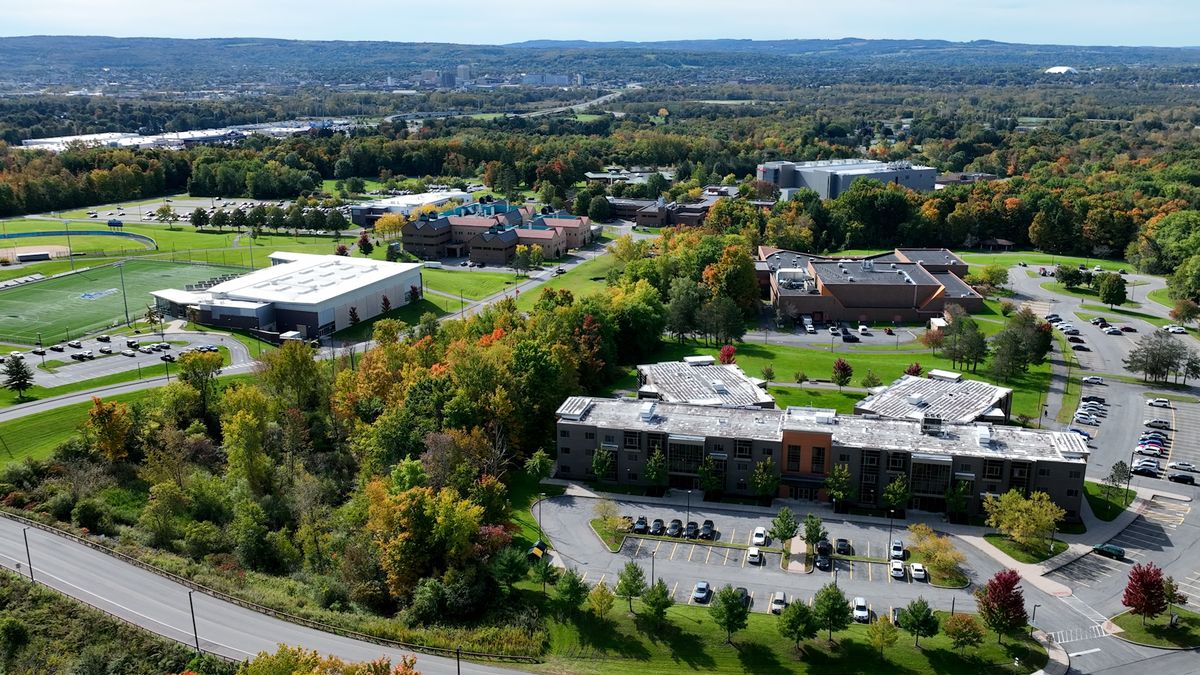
point(446, 79)
point(464, 73)
point(579, 80)
point(390, 82)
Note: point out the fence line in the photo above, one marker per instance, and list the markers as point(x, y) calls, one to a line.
point(7, 512)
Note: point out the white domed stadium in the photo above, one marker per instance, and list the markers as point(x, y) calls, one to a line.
point(1061, 70)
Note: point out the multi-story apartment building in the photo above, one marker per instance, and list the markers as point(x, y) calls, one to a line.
point(806, 443)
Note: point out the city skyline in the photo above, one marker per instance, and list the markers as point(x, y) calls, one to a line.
point(1165, 23)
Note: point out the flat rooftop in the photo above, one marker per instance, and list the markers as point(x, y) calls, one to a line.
point(869, 272)
point(308, 279)
point(712, 385)
point(846, 166)
point(955, 287)
point(913, 398)
point(420, 199)
point(697, 422)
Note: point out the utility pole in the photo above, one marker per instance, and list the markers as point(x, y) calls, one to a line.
point(195, 633)
point(28, 559)
point(125, 300)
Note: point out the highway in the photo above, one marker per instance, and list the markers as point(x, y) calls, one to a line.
point(161, 605)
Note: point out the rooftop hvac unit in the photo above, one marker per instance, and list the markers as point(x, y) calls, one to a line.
point(983, 436)
point(915, 400)
point(647, 412)
point(826, 418)
point(931, 425)
point(719, 387)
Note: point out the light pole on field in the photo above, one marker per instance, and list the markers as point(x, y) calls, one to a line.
point(125, 300)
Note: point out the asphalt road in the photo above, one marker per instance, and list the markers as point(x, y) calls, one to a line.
point(161, 606)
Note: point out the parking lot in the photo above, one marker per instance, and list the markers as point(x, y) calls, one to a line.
point(1146, 538)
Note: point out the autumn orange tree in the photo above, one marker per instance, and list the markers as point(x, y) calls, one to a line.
point(109, 424)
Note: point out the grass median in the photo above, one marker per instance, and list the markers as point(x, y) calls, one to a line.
point(1158, 631)
point(1022, 554)
point(1107, 502)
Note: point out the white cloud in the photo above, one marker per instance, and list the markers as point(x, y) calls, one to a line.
point(1154, 22)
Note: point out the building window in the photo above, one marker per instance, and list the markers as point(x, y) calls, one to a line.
point(1073, 474)
point(742, 466)
point(793, 458)
point(563, 433)
point(844, 458)
point(633, 440)
point(589, 435)
point(767, 452)
point(564, 469)
point(631, 456)
point(742, 449)
point(1072, 493)
point(589, 452)
point(897, 461)
point(818, 460)
point(610, 439)
point(965, 468)
point(718, 447)
point(633, 476)
point(993, 469)
point(870, 459)
point(1042, 471)
point(564, 451)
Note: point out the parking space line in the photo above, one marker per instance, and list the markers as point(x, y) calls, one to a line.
point(751, 598)
point(732, 534)
point(601, 580)
point(745, 557)
point(709, 554)
point(674, 548)
point(1137, 539)
point(584, 577)
point(639, 547)
point(870, 576)
point(674, 588)
point(658, 546)
point(691, 552)
point(852, 570)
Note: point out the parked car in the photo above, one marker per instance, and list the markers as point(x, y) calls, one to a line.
point(824, 562)
point(708, 530)
point(16, 355)
point(1109, 551)
point(917, 570)
point(1081, 348)
point(1098, 319)
point(1177, 330)
point(75, 344)
point(743, 595)
point(38, 351)
point(1128, 329)
point(701, 591)
point(861, 613)
point(128, 352)
point(1093, 379)
point(897, 550)
point(1144, 471)
point(640, 526)
point(1071, 331)
point(1149, 450)
point(824, 547)
point(759, 536)
point(103, 338)
point(888, 331)
point(167, 357)
point(657, 528)
point(863, 330)
point(850, 338)
point(105, 350)
point(1081, 432)
point(1093, 399)
point(1112, 331)
point(778, 602)
point(1158, 424)
point(754, 556)
point(1182, 466)
point(897, 569)
point(559, 270)
point(692, 530)
point(1155, 433)
point(1083, 418)
point(842, 546)
point(145, 350)
point(1159, 403)
point(833, 330)
point(1075, 339)
point(1185, 478)
point(57, 348)
point(675, 529)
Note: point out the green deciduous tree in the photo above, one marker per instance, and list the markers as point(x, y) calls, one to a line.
point(814, 529)
point(839, 486)
point(655, 471)
point(897, 493)
point(919, 620)
point(1028, 521)
point(831, 610)
point(631, 582)
point(797, 623)
point(539, 465)
point(1112, 289)
point(784, 526)
point(765, 479)
point(882, 634)
point(657, 600)
point(729, 612)
point(600, 600)
point(602, 463)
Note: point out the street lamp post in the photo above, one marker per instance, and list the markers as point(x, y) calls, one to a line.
point(652, 567)
point(70, 256)
point(28, 559)
point(541, 498)
point(1032, 618)
point(124, 299)
point(688, 517)
point(891, 515)
point(1129, 477)
point(195, 633)
point(458, 659)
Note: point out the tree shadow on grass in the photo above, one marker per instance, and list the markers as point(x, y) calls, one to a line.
point(685, 648)
point(756, 657)
point(602, 635)
point(850, 656)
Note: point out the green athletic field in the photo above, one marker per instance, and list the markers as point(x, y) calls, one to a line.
point(90, 300)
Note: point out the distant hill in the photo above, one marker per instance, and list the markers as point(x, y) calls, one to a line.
point(161, 62)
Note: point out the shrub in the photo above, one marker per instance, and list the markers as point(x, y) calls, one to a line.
point(60, 506)
point(201, 539)
point(426, 604)
point(330, 593)
point(91, 515)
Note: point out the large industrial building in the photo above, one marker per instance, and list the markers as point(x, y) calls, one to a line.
point(310, 294)
point(365, 214)
point(906, 285)
point(831, 177)
point(806, 443)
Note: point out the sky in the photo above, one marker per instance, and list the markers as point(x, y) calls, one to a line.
point(1169, 23)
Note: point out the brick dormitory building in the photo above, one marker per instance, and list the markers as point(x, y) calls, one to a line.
point(806, 443)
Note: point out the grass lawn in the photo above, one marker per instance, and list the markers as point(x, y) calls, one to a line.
point(583, 279)
point(611, 538)
point(1162, 296)
point(1037, 259)
point(369, 183)
point(1107, 503)
point(474, 285)
point(409, 314)
point(818, 365)
point(523, 493)
point(1158, 631)
point(690, 641)
point(81, 243)
point(841, 401)
point(1021, 554)
point(1082, 292)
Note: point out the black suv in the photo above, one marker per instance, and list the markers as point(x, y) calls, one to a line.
point(1185, 478)
point(824, 562)
point(708, 530)
point(675, 529)
point(824, 547)
point(692, 531)
point(842, 546)
point(657, 528)
point(640, 526)
point(1093, 399)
